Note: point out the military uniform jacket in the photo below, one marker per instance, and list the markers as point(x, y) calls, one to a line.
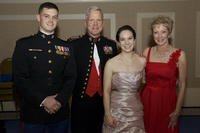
point(43, 66)
point(83, 52)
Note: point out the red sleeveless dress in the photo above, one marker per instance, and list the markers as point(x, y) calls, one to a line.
point(159, 94)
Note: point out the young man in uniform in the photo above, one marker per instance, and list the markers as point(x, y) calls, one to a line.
point(44, 75)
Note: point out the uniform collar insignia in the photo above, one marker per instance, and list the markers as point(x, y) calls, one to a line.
point(94, 40)
point(52, 36)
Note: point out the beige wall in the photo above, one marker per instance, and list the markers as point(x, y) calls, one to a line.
point(17, 20)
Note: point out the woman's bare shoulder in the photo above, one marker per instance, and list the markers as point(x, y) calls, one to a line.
point(113, 60)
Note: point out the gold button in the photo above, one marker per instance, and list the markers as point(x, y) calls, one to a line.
point(86, 79)
point(85, 83)
point(81, 96)
point(83, 92)
point(83, 88)
point(49, 51)
point(50, 61)
point(35, 57)
point(90, 60)
point(49, 42)
point(50, 72)
point(89, 65)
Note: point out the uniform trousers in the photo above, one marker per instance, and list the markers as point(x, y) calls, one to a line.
point(57, 127)
point(87, 114)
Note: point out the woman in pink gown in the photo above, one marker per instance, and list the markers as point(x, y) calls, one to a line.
point(165, 70)
point(122, 79)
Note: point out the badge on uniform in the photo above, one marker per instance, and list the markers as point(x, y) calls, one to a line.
point(33, 49)
point(107, 49)
point(61, 50)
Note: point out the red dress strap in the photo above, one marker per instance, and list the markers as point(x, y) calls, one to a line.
point(148, 54)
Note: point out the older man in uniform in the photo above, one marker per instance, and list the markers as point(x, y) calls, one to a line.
point(44, 74)
point(91, 53)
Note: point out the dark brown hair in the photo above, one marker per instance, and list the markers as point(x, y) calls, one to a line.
point(48, 5)
point(125, 27)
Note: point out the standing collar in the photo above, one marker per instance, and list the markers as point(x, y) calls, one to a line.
point(94, 40)
point(43, 35)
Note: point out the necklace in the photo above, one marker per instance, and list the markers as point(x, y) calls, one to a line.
point(164, 55)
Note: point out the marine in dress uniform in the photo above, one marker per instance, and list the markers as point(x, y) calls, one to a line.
point(43, 65)
point(87, 103)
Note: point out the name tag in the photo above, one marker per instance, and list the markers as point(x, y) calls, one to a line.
point(37, 50)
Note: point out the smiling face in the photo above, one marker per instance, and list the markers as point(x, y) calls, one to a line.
point(94, 24)
point(48, 20)
point(126, 41)
point(160, 34)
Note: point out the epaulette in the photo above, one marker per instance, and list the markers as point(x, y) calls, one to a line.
point(73, 38)
point(32, 35)
point(26, 38)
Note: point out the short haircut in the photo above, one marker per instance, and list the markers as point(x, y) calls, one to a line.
point(48, 5)
point(123, 28)
point(93, 8)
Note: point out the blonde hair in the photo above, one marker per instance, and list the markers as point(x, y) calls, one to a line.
point(165, 21)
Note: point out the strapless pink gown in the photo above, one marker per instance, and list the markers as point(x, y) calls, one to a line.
point(126, 107)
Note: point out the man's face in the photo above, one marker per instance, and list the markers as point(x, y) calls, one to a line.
point(48, 20)
point(94, 24)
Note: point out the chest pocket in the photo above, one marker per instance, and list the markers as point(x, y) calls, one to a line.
point(36, 56)
point(60, 60)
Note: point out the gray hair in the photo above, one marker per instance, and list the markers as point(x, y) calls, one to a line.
point(93, 8)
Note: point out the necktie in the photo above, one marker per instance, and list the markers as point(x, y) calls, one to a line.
point(96, 58)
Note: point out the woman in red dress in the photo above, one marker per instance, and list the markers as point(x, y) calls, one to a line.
point(165, 71)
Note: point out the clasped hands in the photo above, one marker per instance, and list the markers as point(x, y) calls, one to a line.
point(51, 105)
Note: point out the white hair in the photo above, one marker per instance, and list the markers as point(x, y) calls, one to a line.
point(93, 8)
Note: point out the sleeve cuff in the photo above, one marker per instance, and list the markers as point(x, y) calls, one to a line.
point(41, 104)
